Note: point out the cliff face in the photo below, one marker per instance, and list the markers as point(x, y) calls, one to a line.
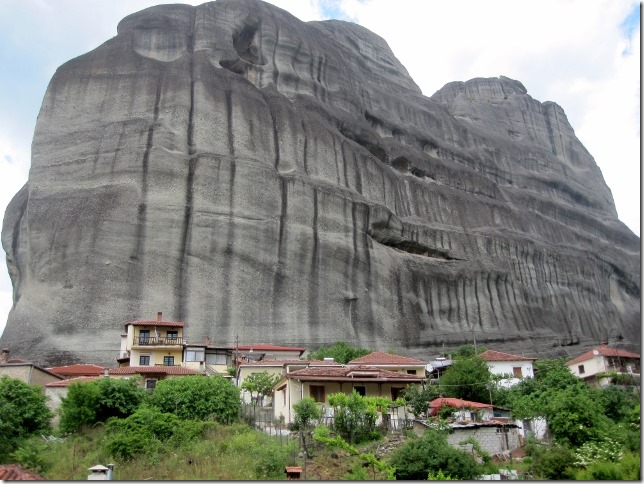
point(288, 182)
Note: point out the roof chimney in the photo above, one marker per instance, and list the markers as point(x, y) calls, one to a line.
point(159, 316)
point(4, 358)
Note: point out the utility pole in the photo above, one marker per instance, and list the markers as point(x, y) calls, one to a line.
point(474, 338)
point(236, 351)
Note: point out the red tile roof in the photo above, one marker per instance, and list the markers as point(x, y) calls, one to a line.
point(602, 350)
point(351, 373)
point(157, 370)
point(69, 381)
point(13, 472)
point(79, 369)
point(380, 358)
point(290, 362)
point(268, 347)
point(491, 355)
point(173, 324)
point(457, 402)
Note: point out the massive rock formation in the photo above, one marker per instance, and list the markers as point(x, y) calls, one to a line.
point(287, 182)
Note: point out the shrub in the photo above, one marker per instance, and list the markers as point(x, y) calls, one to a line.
point(306, 412)
point(30, 455)
point(23, 412)
point(96, 401)
point(431, 453)
point(353, 417)
point(147, 430)
point(198, 398)
point(341, 352)
point(551, 463)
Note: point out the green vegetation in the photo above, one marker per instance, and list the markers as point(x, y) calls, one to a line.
point(468, 378)
point(431, 453)
point(341, 352)
point(96, 401)
point(188, 429)
point(259, 385)
point(23, 412)
point(198, 398)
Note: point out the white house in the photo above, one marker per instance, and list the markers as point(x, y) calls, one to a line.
point(507, 364)
point(519, 367)
point(596, 365)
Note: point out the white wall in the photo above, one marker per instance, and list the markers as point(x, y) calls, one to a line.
point(506, 367)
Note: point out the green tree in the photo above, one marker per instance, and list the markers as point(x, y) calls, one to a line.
point(23, 412)
point(306, 412)
point(341, 352)
point(468, 379)
point(572, 409)
point(419, 396)
point(354, 418)
point(198, 398)
point(431, 454)
point(260, 384)
point(87, 403)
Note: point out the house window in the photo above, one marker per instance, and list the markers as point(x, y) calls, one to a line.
point(360, 390)
point(168, 361)
point(396, 392)
point(150, 385)
point(194, 355)
point(144, 360)
point(173, 335)
point(144, 337)
point(411, 372)
point(516, 371)
point(216, 357)
point(316, 392)
point(581, 369)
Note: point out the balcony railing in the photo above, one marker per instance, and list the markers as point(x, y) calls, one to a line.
point(157, 341)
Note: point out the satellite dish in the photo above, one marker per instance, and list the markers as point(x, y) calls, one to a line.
point(595, 352)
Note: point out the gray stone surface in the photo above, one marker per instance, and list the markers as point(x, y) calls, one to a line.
point(287, 182)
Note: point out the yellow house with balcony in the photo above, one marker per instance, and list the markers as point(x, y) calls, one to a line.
point(152, 343)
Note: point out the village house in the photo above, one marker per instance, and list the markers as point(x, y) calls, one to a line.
point(599, 365)
point(318, 382)
point(150, 375)
point(514, 366)
point(390, 362)
point(208, 358)
point(26, 371)
point(273, 368)
point(79, 369)
point(491, 426)
point(152, 343)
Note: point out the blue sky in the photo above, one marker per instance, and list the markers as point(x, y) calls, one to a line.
point(582, 54)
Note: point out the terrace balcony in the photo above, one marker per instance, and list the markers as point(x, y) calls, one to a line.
point(140, 341)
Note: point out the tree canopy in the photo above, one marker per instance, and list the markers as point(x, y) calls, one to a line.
point(96, 401)
point(468, 379)
point(198, 398)
point(23, 412)
point(341, 352)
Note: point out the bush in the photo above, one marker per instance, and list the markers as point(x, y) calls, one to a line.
point(96, 401)
point(552, 463)
point(306, 412)
point(430, 454)
point(198, 398)
point(30, 455)
point(23, 412)
point(341, 352)
point(147, 431)
point(353, 418)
